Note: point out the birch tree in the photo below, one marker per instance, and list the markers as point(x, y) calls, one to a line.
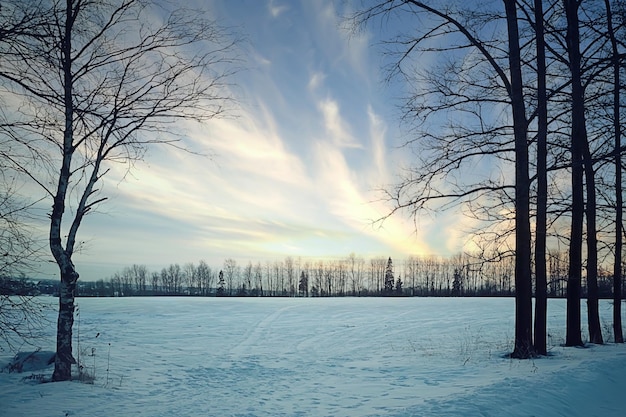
point(108, 79)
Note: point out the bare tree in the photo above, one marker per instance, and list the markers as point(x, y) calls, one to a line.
point(23, 21)
point(541, 281)
point(411, 269)
point(21, 317)
point(21, 314)
point(205, 278)
point(258, 279)
point(154, 282)
point(247, 276)
point(21, 248)
point(578, 139)
point(617, 263)
point(355, 269)
point(267, 272)
point(231, 274)
point(291, 276)
point(479, 77)
point(583, 34)
point(523, 295)
point(100, 87)
point(190, 273)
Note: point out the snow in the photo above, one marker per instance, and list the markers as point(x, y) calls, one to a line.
point(318, 357)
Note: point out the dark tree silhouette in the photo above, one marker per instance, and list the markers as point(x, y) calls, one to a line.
point(389, 278)
point(303, 285)
point(578, 140)
point(456, 284)
point(541, 280)
point(491, 77)
point(523, 293)
point(399, 288)
point(221, 285)
point(619, 204)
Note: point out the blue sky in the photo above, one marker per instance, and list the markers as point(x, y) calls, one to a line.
point(294, 173)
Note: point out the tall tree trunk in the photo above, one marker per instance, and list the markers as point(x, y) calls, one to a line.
point(617, 263)
point(573, 335)
point(63, 256)
point(593, 313)
point(523, 285)
point(541, 280)
point(64, 357)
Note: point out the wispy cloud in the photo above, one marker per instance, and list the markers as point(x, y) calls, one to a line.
point(296, 172)
point(336, 128)
point(315, 81)
point(347, 50)
point(378, 130)
point(276, 9)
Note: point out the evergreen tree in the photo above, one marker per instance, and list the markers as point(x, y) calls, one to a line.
point(389, 279)
point(303, 286)
point(221, 284)
point(456, 283)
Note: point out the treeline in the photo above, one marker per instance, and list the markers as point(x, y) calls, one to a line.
point(27, 287)
point(425, 276)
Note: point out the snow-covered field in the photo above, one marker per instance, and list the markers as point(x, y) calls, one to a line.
point(319, 357)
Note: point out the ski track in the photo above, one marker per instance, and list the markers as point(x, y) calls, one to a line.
point(256, 332)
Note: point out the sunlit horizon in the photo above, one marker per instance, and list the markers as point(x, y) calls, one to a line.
point(295, 169)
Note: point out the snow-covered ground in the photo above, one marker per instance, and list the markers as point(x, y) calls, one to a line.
point(319, 357)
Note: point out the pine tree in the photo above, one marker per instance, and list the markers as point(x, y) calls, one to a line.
point(303, 287)
point(389, 279)
point(221, 284)
point(456, 284)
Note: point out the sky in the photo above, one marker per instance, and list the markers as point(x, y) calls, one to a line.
point(295, 170)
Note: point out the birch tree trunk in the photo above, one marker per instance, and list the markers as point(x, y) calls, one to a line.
point(63, 256)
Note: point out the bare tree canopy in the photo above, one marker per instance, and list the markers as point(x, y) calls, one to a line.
point(21, 247)
point(467, 110)
point(21, 315)
point(95, 85)
point(507, 116)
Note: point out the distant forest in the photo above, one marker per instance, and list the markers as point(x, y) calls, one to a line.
point(462, 275)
